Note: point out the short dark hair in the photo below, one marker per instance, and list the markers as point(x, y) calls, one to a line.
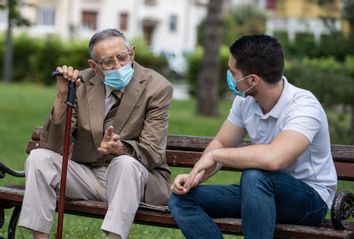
point(105, 34)
point(262, 55)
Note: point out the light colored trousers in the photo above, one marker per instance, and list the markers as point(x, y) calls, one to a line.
point(121, 185)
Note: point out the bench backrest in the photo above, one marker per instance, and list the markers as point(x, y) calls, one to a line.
point(184, 151)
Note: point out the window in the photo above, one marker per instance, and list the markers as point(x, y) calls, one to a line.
point(46, 16)
point(271, 4)
point(150, 2)
point(3, 16)
point(89, 20)
point(173, 23)
point(123, 21)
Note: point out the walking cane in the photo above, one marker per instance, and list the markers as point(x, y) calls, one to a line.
point(70, 102)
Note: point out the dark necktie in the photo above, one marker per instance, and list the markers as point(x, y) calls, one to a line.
point(113, 110)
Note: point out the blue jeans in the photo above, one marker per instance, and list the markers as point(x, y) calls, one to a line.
point(262, 199)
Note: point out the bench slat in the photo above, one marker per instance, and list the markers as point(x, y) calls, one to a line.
point(345, 171)
point(186, 142)
point(343, 153)
point(182, 158)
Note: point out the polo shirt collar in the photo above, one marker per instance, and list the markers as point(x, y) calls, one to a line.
point(283, 101)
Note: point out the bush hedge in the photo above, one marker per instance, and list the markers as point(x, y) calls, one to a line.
point(35, 58)
point(335, 45)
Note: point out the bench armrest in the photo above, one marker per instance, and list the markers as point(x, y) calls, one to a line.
point(4, 169)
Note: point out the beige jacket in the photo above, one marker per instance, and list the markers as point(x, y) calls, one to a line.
point(141, 121)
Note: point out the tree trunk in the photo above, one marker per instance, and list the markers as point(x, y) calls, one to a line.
point(209, 76)
point(8, 51)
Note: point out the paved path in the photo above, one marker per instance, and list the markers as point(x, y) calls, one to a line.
point(180, 91)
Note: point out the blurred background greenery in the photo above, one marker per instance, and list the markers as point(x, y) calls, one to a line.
point(329, 76)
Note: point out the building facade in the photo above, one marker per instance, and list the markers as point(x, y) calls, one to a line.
point(162, 23)
point(169, 25)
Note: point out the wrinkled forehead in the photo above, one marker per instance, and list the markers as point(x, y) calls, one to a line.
point(109, 47)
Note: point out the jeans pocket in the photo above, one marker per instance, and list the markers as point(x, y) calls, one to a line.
point(313, 218)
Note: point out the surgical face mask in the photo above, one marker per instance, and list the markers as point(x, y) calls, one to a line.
point(118, 79)
point(232, 84)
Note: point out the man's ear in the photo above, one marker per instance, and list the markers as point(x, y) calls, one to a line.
point(253, 80)
point(132, 53)
point(92, 64)
point(95, 68)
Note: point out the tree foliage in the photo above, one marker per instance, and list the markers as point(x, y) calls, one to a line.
point(240, 19)
point(243, 19)
point(348, 14)
point(14, 14)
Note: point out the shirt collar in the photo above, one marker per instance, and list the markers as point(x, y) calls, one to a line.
point(283, 101)
point(110, 89)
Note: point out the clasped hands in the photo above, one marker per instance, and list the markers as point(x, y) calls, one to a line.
point(200, 172)
point(111, 144)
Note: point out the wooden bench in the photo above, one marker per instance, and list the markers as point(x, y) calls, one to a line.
point(184, 151)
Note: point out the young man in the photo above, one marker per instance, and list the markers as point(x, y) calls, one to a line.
point(288, 172)
point(119, 132)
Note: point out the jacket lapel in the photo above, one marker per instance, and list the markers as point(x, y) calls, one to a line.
point(95, 98)
point(130, 97)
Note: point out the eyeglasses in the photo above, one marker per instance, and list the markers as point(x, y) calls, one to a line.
point(110, 62)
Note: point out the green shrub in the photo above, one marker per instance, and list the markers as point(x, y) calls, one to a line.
point(335, 45)
point(35, 58)
point(327, 78)
point(25, 47)
point(75, 54)
point(349, 64)
point(45, 60)
point(282, 36)
point(333, 84)
point(304, 43)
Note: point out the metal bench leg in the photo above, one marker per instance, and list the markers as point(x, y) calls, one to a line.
point(13, 222)
point(2, 219)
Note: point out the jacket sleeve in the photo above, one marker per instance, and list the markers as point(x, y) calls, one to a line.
point(52, 136)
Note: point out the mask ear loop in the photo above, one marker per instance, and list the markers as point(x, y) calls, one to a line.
point(100, 73)
point(249, 81)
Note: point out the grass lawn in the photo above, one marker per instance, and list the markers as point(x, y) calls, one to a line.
point(24, 106)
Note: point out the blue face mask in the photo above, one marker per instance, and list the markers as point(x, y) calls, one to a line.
point(232, 83)
point(118, 79)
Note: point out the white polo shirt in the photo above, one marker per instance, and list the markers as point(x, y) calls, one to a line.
point(297, 110)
